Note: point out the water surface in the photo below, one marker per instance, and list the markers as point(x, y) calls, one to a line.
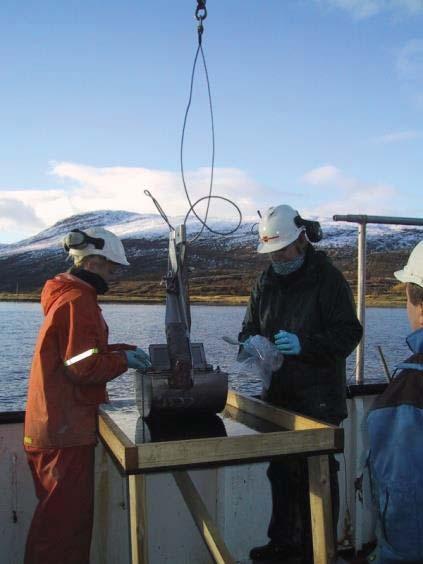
point(144, 324)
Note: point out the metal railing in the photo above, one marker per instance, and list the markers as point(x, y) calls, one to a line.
point(362, 221)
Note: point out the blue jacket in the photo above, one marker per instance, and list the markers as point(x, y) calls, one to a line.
point(395, 427)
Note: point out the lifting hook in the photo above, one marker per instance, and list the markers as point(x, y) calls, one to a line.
point(201, 11)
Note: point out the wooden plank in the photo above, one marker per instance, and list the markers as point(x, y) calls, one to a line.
point(165, 455)
point(321, 510)
point(208, 530)
point(285, 419)
point(258, 424)
point(309, 436)
point(138, 519)
point(121, 446)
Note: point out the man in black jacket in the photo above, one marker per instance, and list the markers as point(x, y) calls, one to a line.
point(303, 304)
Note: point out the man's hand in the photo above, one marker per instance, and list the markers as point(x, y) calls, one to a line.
point(138, 359)
point(287, 343)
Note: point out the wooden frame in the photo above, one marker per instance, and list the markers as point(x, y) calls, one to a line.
point(290, 433)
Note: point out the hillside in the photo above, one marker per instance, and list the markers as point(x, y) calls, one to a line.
point(222, 267)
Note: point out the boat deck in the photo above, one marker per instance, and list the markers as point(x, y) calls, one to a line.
point(241, 511)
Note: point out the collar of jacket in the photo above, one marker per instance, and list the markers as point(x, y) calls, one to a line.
point(415, 341)
point(96, 281)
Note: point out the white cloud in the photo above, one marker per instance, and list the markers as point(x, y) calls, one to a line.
point(86, 188)
point(322, 192)
point(409, 62)
point(31, 210)
point(340, 194)
point(361, 9)
point(123, 188)
point(409, 67)
point(15, 212)
point(397, 137)
point(326, 174)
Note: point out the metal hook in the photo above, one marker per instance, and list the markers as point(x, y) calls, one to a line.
point(201, 7)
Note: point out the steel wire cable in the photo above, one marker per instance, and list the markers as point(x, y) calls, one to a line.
point(181, 154)
point(210, 196)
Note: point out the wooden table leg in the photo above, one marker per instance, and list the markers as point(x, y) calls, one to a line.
point(138, 519)
point(208, 530)
point(321, 510)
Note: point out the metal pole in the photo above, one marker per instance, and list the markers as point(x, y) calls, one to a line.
point(380, 219)
point(384, 364)
point(361, 300)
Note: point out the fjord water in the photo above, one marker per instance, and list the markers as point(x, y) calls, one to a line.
point(144, 324)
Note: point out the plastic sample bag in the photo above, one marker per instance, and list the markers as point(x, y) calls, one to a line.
point(259, 358)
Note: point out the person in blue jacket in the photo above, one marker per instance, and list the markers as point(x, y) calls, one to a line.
point(395, 430)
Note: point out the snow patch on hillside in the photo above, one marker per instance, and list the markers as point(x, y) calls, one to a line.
point(129, 225)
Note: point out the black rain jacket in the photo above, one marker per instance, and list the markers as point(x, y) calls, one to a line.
point(316, 304)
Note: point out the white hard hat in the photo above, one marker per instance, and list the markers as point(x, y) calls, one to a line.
point(95, 241)
point(278, 229)
point(413, 270)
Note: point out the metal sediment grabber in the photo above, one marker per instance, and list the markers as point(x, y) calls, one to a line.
point(180, 381)
point(155, 395)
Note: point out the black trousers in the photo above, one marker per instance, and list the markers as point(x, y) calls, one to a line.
point(290, 523)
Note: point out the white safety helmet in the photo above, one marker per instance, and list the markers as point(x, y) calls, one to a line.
point(95, 241)
point(278, 229)
point(413, 270)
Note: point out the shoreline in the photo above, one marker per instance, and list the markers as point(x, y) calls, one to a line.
point(371, 301)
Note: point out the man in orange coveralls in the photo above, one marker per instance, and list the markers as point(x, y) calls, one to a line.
point(71, 366)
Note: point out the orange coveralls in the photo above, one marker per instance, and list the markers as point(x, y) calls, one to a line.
point(71, 365)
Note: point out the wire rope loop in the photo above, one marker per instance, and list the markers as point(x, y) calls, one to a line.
point(200, 14)
point(214, 231)
point(199, 51)
point(254, 229)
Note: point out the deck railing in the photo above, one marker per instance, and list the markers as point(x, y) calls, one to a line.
point(362, 221)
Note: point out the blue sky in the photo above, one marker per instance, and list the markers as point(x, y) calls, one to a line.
point(317, 103)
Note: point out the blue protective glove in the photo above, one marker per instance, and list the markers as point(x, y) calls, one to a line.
point(247, 340)
point(138, 359)
point(287, 343)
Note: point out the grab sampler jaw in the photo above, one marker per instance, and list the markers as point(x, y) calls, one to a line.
point(180, 381)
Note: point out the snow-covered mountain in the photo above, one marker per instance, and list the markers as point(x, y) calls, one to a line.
point(30, 261)
point(128, 225)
